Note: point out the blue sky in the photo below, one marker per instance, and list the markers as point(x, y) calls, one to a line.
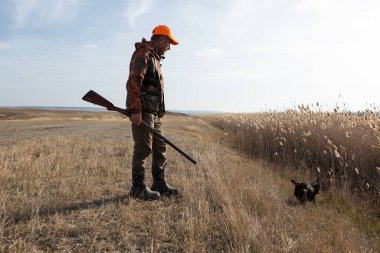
point(239, 56)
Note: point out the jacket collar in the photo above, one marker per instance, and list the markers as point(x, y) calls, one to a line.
point(146, 44)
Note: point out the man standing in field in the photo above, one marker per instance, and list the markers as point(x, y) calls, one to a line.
point(145, 100)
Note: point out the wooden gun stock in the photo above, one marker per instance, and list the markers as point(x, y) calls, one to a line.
point(95, 98)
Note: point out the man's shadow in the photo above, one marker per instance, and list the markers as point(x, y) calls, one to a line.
point(69, 208)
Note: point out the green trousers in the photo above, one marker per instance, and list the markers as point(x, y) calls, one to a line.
point(146, 143)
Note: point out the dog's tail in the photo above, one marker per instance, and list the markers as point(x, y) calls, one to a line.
point(317, 186)
point(293, 181)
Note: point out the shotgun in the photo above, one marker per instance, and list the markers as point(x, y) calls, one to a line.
point(95, 98)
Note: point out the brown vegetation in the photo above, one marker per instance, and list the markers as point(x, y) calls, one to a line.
point(341, 149)
point(64, 182)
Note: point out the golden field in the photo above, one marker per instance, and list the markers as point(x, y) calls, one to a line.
point(340, 149)
point(65, 176)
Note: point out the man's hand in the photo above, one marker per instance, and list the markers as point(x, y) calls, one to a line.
point(136, 118)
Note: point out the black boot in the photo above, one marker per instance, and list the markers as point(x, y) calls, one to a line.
point(143, 193)
point(140, 191)
point(160, 184)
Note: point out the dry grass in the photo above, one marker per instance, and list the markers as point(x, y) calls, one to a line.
point(64, 183)
point(341, 149)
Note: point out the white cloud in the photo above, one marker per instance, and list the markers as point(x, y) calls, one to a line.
point(210, 52)
point(136, 9)
point(41, 10)
point(92, 46)
point(246, 74)
point(4, 45)
point(246, 18)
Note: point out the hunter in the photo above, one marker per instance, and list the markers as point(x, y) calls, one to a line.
point(145, 100)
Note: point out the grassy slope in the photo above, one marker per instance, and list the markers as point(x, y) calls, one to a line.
point(64, 178)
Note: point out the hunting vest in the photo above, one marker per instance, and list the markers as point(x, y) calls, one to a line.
point(151, 89)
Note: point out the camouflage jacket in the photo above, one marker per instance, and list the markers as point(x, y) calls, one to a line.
point(145, 85)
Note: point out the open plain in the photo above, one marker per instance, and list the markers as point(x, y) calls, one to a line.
point(65, 176)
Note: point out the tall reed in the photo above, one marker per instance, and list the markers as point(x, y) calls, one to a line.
point(340, 148)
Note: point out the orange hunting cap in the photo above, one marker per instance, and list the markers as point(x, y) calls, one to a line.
point(164, 30)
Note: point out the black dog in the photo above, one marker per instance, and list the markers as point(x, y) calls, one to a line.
point(305, 191)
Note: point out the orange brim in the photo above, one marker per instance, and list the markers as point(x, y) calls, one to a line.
point(174, 41)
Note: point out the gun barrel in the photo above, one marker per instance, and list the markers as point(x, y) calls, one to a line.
point(169, 142)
